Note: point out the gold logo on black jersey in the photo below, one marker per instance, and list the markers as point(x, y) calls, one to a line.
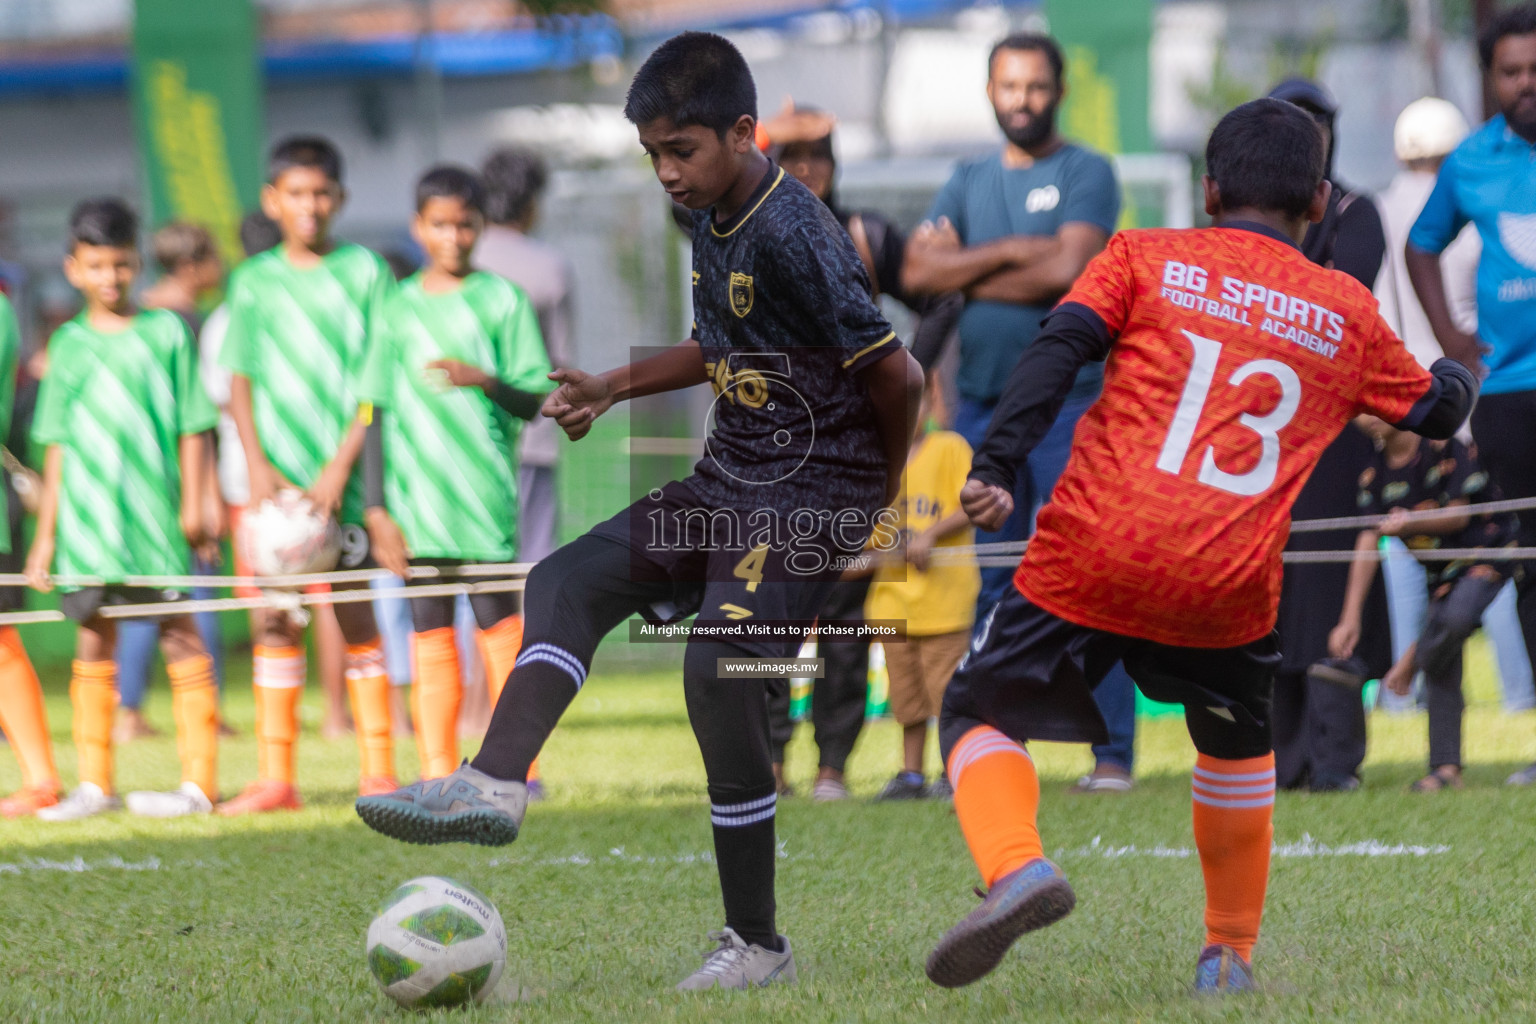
point(741, 293)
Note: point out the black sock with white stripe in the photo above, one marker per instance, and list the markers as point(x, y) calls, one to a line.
point(545, 680)
point(745, 851)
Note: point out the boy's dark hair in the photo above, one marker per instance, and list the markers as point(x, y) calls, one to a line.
point(258, 233)
point(1266, 154)
point(449, 181)
point(304, 151)
point(514, 178)
point(1512, 21)
point(104, 221)
point(1038, 42)
point(693, 78)
point(179, 244)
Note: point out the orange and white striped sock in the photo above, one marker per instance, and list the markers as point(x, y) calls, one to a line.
point(195, 705)
point(368, 686)
point(997, 798)
point(93, 695)
point(279, 683)
point(1234, 804)
point(499, 647)
point(438, 691)
point(22, 717)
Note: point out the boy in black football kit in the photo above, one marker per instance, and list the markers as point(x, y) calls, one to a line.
point(815, 402)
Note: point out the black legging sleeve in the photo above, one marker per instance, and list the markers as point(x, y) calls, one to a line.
point(1072, 336)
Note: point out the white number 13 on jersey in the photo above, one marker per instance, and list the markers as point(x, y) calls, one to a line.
point(1197, 387)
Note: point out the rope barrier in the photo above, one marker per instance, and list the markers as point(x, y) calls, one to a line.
point(161, 609)
point(510, 576)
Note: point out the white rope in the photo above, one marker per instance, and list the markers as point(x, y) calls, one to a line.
point(162, 609)
point(418, 572)
point(509, 576)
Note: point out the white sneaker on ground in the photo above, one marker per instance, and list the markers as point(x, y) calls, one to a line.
point(188, 799)
point(828, 789)
point(734, 964)
point(87, 799)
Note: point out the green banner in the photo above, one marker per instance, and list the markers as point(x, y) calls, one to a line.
point(197, 102)
point(1108, 49)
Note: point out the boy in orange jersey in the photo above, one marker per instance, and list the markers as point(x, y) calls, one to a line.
point(1231, 363)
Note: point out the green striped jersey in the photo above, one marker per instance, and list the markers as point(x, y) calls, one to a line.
point(10, 355)
point(118, 403)
point(451, 453)
point(300, 336)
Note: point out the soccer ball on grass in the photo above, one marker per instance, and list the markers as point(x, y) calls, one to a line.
point(437, 943)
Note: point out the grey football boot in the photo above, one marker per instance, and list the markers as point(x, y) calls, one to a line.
point(1023, 900)
point(734, 964)
point(466, 807)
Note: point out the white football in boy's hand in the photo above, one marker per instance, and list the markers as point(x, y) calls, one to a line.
point(288, 536)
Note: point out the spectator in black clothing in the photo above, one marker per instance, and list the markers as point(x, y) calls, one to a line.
point(800, 140)
point(1350, 236)
point(1410, 475)
point(1319, 717)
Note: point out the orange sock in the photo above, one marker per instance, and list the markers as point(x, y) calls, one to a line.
point(368, 685)
point(997, 796)
point(438, 692)
point(93, 694)
point(21, 714)
point(499, 647)
point(1234, 804)
point(195, 704)
point(279, 675)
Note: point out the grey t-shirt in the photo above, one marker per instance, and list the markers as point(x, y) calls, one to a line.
point(545, 275)
point(986, 201)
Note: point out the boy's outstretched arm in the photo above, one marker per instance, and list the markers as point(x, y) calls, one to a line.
point(895, 386)
point(522, 404)
point(583, 397)
point(1038, 387)
point(40, 557)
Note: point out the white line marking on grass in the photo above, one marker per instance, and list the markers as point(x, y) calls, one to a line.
point(1305, 847)
point(618, 855)
point(79, 865)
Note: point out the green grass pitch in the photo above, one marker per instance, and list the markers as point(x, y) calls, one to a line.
point(609, 894)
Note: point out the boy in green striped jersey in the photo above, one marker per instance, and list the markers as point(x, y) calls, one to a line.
point(455, 365)
point(121, 412)
point(299, 319)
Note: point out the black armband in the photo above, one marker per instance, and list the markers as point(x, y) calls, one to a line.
point(373, 461)
point(1446, 405)
point(525, 405)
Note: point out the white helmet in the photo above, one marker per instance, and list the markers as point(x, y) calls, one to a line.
point(1428, 128)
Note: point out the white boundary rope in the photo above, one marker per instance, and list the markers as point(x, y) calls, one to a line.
point(507, 577)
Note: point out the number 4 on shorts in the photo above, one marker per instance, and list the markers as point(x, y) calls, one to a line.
point(750, 568)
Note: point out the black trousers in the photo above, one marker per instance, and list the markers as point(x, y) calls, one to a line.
point(429, 613)
point(839, 699)
point(1319, 725)
point(1448, 623)
point(1504, 427)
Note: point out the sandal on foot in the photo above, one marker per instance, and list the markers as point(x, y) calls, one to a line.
point(1436, 781)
